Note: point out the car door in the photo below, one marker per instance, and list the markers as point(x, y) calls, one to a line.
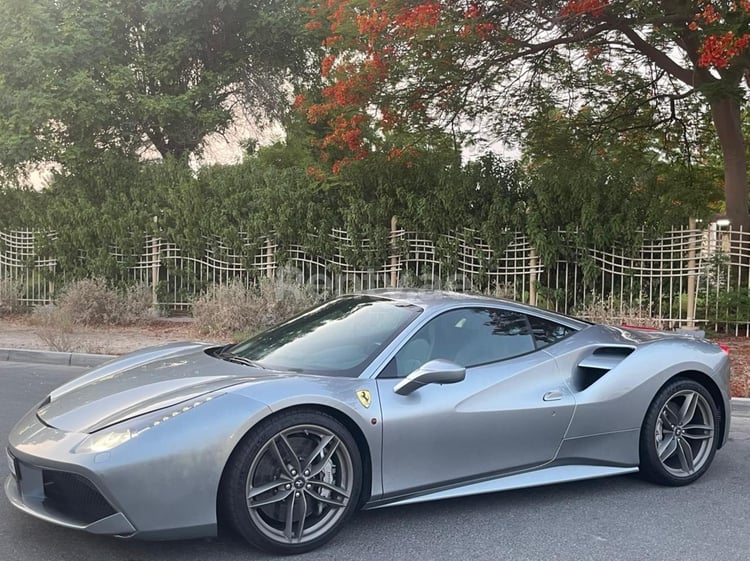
point(509, 413)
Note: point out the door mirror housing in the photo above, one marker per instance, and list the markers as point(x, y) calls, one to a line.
point(438, 371)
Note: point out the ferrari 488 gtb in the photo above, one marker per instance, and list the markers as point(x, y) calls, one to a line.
point(374, 399)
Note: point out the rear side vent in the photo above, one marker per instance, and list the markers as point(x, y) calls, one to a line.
point(592, 367)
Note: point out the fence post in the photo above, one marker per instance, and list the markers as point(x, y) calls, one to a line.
point(691, 289)
point(155, 265)
point(268, 258)
point(533, 262)
point(394, 255)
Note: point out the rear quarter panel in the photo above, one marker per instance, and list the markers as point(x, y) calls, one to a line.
point(619, 400)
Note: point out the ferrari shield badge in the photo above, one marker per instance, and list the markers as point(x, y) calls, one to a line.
point(364, 397)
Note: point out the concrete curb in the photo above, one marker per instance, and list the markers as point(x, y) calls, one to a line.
point(741, 406)
point(53, 357)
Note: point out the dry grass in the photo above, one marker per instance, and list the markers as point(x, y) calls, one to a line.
point(54, 327)
point(609, 311)
point(10, 297)
point(86, 303)
point(92, 302)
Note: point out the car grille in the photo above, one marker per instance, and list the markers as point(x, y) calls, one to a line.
point(74, 496)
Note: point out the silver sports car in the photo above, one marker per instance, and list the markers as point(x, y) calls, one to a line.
point(374, 399)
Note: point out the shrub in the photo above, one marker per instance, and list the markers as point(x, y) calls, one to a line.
point(10, 297)
point(93, 302)
point(233, 308)
point(135, 304)
point(55, 327)
point(613, 312)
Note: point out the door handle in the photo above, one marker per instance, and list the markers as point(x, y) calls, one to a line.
point(554, 395)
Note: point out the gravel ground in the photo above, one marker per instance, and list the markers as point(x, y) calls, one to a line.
point(18, 333)
point(739, 354)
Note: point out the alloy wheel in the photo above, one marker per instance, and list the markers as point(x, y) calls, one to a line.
point(299, 484)
point(684, 433)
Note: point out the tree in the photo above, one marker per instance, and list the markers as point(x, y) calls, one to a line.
point(435, 64)
point(610, 189)
point(81, 76)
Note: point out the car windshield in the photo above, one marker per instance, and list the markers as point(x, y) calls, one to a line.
point(339, 338)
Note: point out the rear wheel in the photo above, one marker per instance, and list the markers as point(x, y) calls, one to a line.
point(293, 482)
point(678, 437)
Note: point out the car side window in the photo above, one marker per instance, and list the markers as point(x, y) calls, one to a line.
point(547, 332)
point(468, 337)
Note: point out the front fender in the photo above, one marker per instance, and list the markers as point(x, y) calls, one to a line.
point(335, 393)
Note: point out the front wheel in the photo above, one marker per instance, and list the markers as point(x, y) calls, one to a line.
point(678, 437)
point(293, 482)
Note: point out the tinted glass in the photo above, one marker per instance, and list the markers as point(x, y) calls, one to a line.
point(468, 337)
point(547, 332)
point(339, 338)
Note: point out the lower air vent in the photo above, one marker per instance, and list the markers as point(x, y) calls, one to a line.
point(74, 496)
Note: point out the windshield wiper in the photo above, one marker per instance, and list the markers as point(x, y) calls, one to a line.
point(232, 357)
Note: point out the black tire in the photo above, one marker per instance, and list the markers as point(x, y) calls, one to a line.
point(679, 434)
point(323, 480)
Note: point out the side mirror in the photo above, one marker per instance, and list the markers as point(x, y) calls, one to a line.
point(437, 371)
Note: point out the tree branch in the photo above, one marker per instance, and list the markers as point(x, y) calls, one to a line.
point(659, 58)
point(534, 48)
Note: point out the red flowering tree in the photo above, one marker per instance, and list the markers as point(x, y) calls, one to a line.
point(410, 66)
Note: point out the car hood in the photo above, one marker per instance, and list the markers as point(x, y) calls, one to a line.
point(139, 383)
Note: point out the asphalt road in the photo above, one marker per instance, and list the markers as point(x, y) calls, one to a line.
point(612, 519)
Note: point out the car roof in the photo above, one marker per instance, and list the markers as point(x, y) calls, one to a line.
point(434, 299)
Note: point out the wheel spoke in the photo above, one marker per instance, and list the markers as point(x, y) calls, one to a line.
point(289, 518)
point(687, 411)
point(669, 416)
point(280, 458)
point(330, 486)
point(327, 500)
point(265, 488)
point(302, 507)
point(325, 441)
point(290, 451)
point(273, 499)
point(685, 453)
point(667, 447)
point(317, 468)
point(709, 432)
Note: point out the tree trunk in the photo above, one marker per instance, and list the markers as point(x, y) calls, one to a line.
point(726, 116)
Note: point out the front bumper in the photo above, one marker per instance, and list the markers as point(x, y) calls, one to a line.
point(31, 492)
point(161, 485)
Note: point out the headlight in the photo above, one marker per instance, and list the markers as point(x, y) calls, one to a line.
point(111, 437)
point(105, 440)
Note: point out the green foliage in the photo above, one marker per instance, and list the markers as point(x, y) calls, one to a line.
point(430, 191)
point(608, 189)
point(79, 77)
point(612, 188)
point(15, 207)
point(97, 208)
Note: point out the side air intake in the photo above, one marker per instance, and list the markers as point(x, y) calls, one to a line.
point(592, 367)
